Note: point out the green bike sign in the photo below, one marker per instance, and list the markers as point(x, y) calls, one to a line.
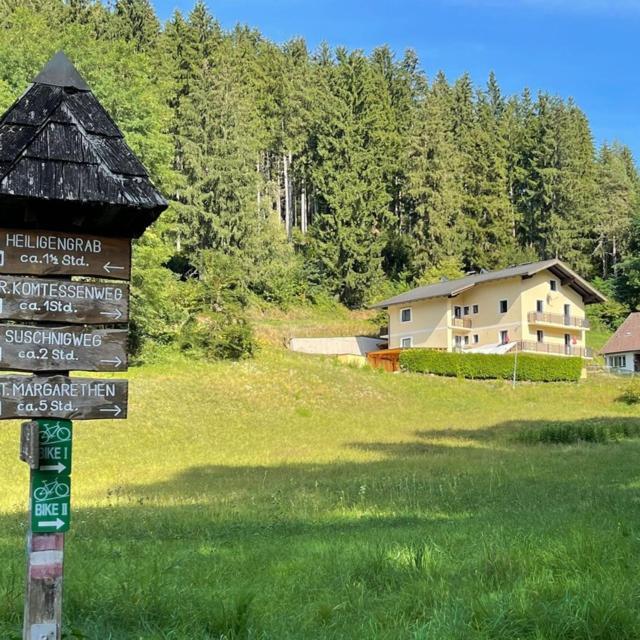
point(55, 445)
point(51, 484)
point(50, 502)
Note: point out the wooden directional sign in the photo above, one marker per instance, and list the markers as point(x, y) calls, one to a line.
point(27, 348)
point(53, 253)
point(62, 397)
point(50, 502)
point(23, 298)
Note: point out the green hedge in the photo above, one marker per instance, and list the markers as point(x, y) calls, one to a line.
point(533, 367)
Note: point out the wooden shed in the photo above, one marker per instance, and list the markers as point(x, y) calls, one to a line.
point(387, 359)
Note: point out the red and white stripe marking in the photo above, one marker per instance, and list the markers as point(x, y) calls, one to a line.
point(46, 557)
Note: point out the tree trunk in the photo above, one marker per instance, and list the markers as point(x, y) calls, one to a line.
point(287, 195)
point(258, 194)
point(279, 191)
point(303, 207)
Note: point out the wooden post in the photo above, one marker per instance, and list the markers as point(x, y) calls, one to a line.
point(43, 601)
point(51, 233)
point(45, 573)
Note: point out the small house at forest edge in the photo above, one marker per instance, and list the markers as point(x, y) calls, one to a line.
point(535, 307)
point(622, 351)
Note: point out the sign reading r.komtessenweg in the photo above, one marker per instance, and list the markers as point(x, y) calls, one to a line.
point(48, 300)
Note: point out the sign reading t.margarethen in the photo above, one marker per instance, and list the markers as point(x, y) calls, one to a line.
point(27, 348)
point(63, 301)
point(62, 397)
point(52, 253)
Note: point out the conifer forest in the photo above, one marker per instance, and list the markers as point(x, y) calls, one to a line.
point(301, 176)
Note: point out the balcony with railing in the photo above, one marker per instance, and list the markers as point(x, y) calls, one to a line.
point(557, 320)
point(555, 349)
point(461, 323)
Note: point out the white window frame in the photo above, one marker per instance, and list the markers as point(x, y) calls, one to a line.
point(618, 362)
point(500, 335)
point(476, 309)
point(476, 338)
point(539, 306)
point(402, 344)
point(410, 310)
point(506, 304)
point(553, 285)
point(466, 310)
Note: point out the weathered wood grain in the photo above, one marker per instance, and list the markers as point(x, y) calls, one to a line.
point(51, 253)
point(45, 300)
point(33, 348)
point(62, 397)
point(43, 597)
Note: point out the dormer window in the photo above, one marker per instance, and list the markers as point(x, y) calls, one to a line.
point(405, 315)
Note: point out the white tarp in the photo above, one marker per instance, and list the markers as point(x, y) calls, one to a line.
point(492, 348)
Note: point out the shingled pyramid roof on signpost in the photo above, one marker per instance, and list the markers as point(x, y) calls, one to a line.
point(60, 148)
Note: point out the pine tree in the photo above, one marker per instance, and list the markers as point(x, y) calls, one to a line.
point(405, 85)
point(218, 154)
point(136, 21)
point(353, 203)
point(485, 205)
point(435, 182)
point(571, 236)
point(488, 208)
point(617, 207)
point(627, 280)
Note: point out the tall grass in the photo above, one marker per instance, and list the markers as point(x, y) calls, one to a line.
point(290, 497)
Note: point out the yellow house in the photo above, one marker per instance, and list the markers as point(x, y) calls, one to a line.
point(537, 307)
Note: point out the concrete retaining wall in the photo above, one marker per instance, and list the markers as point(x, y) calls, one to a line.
point(350, 345)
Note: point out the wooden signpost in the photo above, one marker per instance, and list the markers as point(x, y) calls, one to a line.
point(70, 203)
point(41, 253)
point(47, 300)
point(33, 348)
point(62, 397)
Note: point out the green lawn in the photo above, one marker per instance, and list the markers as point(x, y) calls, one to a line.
point(293, 497)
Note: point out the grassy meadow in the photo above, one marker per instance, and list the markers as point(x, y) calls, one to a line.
point(292, 497)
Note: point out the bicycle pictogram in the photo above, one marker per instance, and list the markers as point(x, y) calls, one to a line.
point(52, 490)
point(54, 433)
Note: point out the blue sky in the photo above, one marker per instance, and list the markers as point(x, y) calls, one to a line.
point(587, 49)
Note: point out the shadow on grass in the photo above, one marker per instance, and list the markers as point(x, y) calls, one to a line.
point(357, 549)
point(599, 430)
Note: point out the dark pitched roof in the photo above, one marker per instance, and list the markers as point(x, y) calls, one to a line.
point(626, 338)
point(452, 288)
point(64, 162)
